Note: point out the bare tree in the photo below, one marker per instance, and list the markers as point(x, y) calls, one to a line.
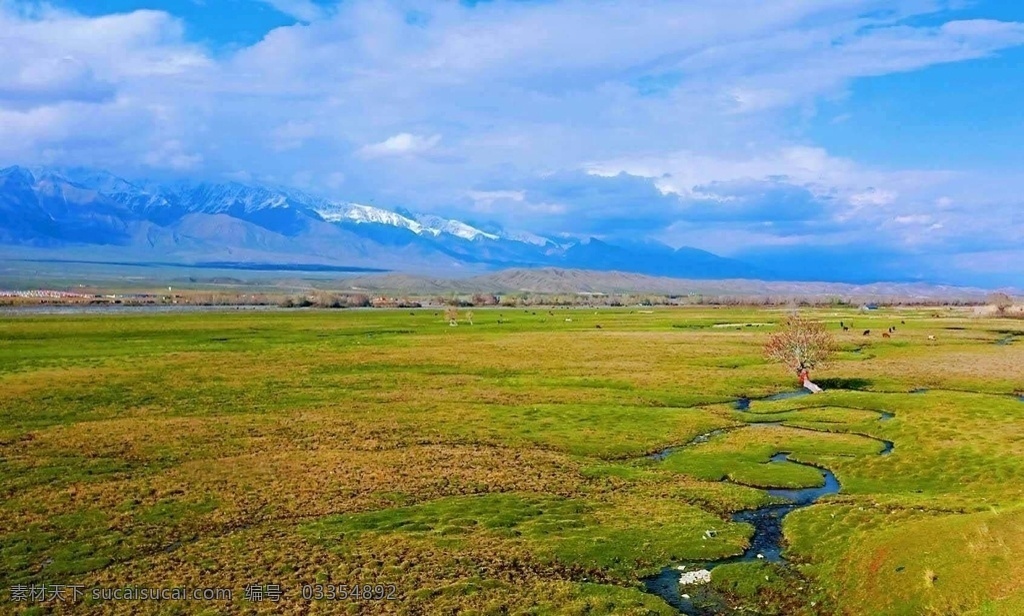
point(1001, 301)
point(801, 345)
point(452, 314)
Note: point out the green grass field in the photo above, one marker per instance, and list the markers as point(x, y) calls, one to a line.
point(501, 468)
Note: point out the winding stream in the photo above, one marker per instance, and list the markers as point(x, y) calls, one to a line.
point(765, 544)
point(743, 404)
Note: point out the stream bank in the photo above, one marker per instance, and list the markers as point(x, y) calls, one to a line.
point(767, 542)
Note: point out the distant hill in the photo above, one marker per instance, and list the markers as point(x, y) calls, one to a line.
point(571, 281)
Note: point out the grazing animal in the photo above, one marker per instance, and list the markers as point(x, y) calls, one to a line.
point(846, 329)
point(598, 326)
point(931, 337)
point(568, 320)
point(903, 322)
point(887, 335)
point(867, 332)
point(841, 325)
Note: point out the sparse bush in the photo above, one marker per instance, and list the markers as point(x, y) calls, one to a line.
point(358, 301)
point(485, 299)
point(327, 300)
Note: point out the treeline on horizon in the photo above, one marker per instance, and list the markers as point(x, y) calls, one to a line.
point(342, 300)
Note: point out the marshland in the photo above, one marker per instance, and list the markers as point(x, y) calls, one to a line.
point(528, 463)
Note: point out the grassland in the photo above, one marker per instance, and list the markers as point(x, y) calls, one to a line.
point(501, 467)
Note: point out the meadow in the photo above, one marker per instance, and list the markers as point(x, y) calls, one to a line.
point(505, 467)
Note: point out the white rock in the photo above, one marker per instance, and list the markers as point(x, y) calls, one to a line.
point(700, 576)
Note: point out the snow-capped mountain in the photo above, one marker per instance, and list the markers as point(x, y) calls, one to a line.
point(528, 238)
point(438, 225)
point(84, 210)
point(424, 224)
point(366, 214)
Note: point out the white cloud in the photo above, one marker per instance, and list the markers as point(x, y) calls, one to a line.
point(302, 179)
point(544, 208)
point(684, 172)
point(172, 155)
point(49, 80)
point(101, 91)
point(786, 67)
point(115, 48)
point(873, 197)
point(238, 176)
point(303, 10)
point(292, 134)
point(852, 190)
point(335, 180)
point(914, 219)
point(400, 145)
point(484, 200)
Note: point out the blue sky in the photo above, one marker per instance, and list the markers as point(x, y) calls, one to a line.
point(876, 138)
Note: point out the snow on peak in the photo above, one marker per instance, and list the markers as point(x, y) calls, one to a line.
point(363, 214)
point(421, 225)
point(527, 238)
point(232, 196)
point(437, 225)
point(250, 197)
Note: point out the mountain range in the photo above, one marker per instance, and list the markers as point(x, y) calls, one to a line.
point(95, 215)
